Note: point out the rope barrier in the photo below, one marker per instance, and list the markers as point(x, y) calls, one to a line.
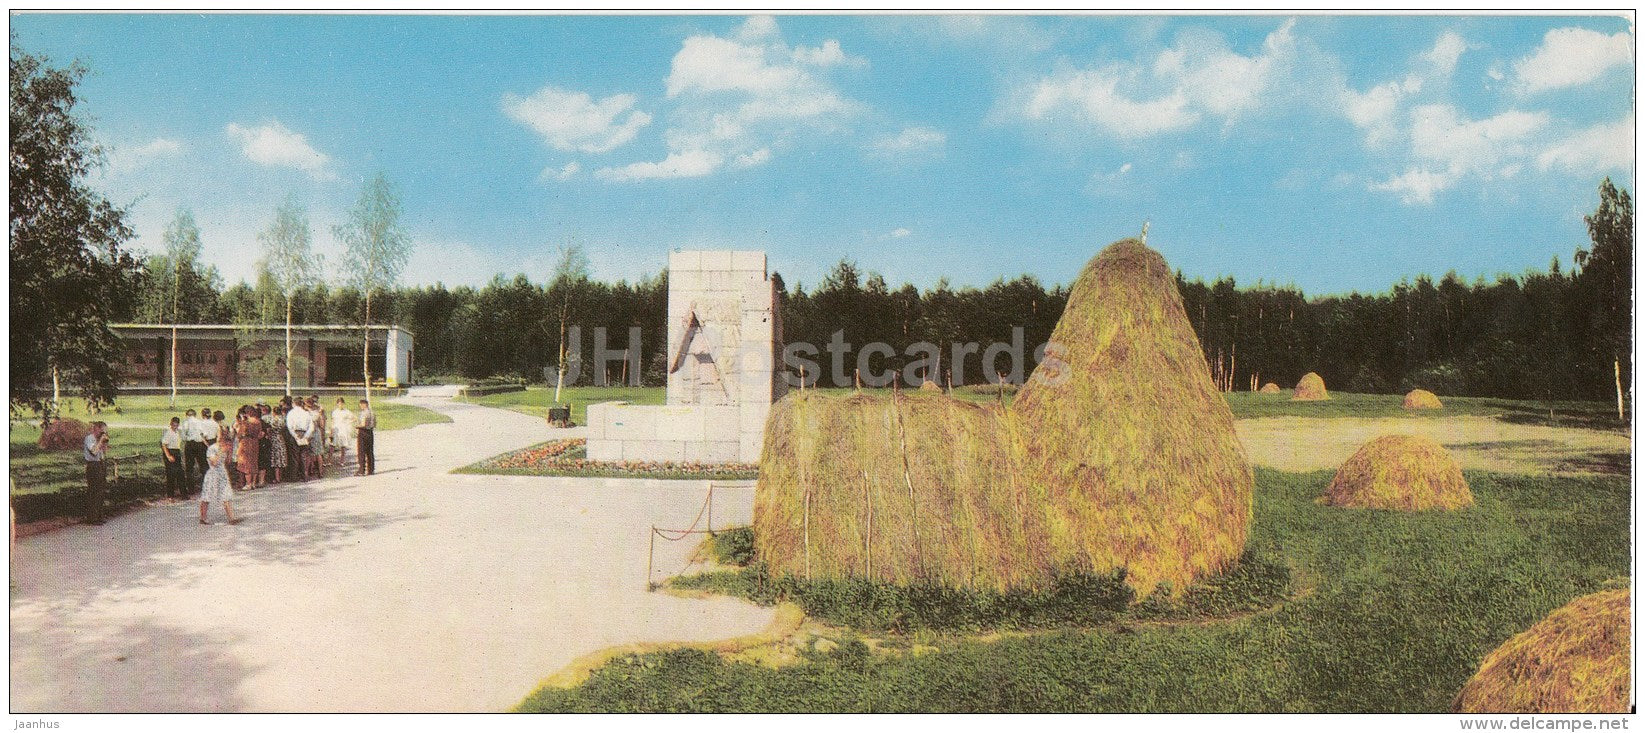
point(675, 535)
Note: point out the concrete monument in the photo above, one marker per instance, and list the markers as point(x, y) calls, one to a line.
point(724, 338)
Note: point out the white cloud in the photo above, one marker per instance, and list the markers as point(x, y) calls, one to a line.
point(1198, 76)
point(828, 54)
point(688, 164)
point(574, 121)
point(758, 157)
point(912, 141)
point(1447, 148)
point(1571, 57)
point(274, 145)
point(563, 173)
point(1440, 134)
point(1416, 185)
point(1376, 110)
point(741, 100)
point(1446, 52)
point(1124, 169)
point(125, 158)
point(1599, 148)
point(900, 232)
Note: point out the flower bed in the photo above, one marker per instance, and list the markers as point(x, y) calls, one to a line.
point(570, 458)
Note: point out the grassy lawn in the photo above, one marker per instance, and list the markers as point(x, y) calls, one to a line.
point(34, 471)
point(1597, 415)
point(535, 401)
point(1392, 612)
point(154, 409)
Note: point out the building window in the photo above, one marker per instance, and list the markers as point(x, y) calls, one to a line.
point(211, 358)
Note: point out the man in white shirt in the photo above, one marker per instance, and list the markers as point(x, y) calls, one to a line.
point(301, 424)
point(171, 451)
point(194, 450)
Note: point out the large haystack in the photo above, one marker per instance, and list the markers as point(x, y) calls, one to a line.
point(63, 434)
point(1130, 440)
point(1310, 387)
point(1402, 472)
point(929, 386)
point(1421, 399)
point(1574, 661)
point(897, 489)
point(1269, 388)
point(1118, 453)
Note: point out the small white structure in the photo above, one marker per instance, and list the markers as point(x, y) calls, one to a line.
point(723, 341)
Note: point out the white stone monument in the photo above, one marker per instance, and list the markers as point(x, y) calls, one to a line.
point(723, 343)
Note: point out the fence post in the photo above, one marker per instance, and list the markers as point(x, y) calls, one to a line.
point(650, 553)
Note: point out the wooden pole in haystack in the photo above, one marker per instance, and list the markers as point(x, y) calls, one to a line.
point(1617, 363)
point(868, 532)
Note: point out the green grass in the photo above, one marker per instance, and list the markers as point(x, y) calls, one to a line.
point(155, 410)
point(34, 471)
point(535, 401)
point(1394, 612)
point(1599, 415)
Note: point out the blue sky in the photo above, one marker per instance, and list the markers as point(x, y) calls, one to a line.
point(1336, 153)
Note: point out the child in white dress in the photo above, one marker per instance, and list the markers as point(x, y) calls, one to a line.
point(216, 486)
point(342, 430)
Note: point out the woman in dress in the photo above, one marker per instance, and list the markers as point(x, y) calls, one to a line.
point(248, 431)
point(260, 412)
point(317, 445)
point(276, 426)
point(342, 430)
point(215, 487)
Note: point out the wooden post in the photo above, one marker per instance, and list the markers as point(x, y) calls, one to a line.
point(650, 555)
point(868, 532)
point(805, 531)
point(1617, 364)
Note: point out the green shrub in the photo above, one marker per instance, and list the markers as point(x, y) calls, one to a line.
point(733, 546)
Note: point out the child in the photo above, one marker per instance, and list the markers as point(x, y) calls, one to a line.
point(216, 486)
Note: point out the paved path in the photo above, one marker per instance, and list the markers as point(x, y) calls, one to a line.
point(413, 590)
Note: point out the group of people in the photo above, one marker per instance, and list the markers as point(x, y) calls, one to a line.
point(291, 440)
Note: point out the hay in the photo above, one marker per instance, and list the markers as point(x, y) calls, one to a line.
point(1310, 387)
point(1270, 388)
point(929, 386)
point(1120, 453)
point(1574, 661)
point(1421, 399)
point(64, 434)
point(1400, 472)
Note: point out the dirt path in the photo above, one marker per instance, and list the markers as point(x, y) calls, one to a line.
point(1308, 444)
point(413, 590)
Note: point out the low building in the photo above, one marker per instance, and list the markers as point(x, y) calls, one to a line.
point(227, 356)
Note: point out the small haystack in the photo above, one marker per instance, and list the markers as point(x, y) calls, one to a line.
point(1269, 388)
point(1310, 387)
point(64, 434)
point(1118, 453)
point(1574, 661)
point(1401, 472)
point(1421, 399)
point(929, 386)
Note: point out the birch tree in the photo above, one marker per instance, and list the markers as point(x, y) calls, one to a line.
point(375, 251)
point(180, 259)
point(290, 260)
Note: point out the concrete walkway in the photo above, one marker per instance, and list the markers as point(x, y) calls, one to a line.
point(413, 590)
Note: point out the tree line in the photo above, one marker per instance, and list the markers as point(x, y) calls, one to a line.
point(1539, 335)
